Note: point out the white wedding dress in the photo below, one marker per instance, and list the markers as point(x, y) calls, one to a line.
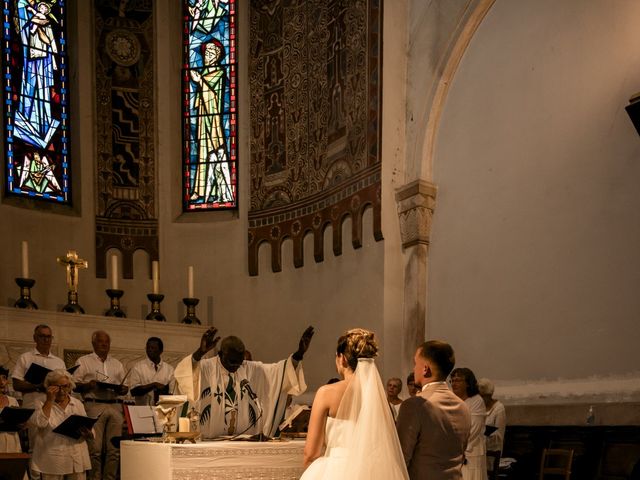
point(361, 441)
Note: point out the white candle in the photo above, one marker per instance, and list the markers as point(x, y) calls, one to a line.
point(114, 272)
point(25, 259)
point(183, 424)
point(190, 281)
point(154, 276)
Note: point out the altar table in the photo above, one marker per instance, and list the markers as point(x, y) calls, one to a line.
point(225, 460)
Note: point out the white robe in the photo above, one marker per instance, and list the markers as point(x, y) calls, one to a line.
point(271, 383)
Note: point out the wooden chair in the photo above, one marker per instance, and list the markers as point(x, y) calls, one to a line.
point(493, 464)
point(561, 460)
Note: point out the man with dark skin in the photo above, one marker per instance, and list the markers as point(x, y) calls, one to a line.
point(236, 396)
point(151, 377)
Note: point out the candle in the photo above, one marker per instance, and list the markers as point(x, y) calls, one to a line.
point(190, 281)
point(25, 259)
point(183, 424)
point(154, 275)
point(114, 272)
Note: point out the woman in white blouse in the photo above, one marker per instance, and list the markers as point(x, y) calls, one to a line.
point(465, 386)
point(58, 457)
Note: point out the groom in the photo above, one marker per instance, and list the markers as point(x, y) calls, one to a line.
point(434, 426)
point(234, 396)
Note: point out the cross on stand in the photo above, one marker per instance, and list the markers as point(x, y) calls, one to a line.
point(73, 264)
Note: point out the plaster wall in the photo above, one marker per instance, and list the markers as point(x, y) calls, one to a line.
point(270, 311)
point(534, 263)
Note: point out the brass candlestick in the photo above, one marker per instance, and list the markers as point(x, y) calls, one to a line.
point(191, 318)
point(155, 314)
point(115, 310)
point(25, 301)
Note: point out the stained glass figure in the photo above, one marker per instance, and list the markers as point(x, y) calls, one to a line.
point(209, 117)
point(35, 99)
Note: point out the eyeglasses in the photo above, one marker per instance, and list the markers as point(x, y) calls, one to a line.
point(44, 337)
point(66, 386)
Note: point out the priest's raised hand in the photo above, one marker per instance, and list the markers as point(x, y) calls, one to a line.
point(303, 345)
point(208, 342)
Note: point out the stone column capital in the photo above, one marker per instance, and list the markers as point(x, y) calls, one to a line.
point(416, 201)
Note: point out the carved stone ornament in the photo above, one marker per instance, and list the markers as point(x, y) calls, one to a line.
point(416, 201)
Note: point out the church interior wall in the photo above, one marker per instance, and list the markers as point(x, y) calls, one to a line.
point(270, 311)
point(533, 263)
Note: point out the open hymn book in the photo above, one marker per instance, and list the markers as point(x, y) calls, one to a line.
point(296, 423)
point(142, 419)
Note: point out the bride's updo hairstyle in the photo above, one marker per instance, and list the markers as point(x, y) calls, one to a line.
point(357, 343)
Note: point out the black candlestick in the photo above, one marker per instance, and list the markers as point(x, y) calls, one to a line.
point(72, 306)
point(155, 314)
point(25, 301)
point(115, 310)
point(191, 318)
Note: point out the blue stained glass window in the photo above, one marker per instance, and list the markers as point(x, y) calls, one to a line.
point(209, 105)
point(36, 104)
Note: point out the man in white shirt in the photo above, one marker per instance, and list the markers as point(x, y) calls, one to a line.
point(41, 355)
point(100, 378)
point(151, 377)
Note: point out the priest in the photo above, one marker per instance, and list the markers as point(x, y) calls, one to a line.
point(234, 396)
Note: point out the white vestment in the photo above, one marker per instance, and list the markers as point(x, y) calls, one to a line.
point(249, 401)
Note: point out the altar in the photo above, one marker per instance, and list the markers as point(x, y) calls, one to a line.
point(224, 460)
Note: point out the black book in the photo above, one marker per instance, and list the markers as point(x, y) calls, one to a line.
point(36, 373)
point(108, 386)
point(72, 425)
point(489, 429)
point(12, 417)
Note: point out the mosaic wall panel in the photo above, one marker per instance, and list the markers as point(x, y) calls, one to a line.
point(315, 122)
point(126, 208)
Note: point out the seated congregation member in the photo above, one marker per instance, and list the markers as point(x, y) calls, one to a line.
point(55, 456)
point(394, 387)
point(465, 386)
point(235, 396)
point(9, 441)
point(496, 415)
point(151, 377)
point(434, 425)
point(412, 389)
point(351, 431)
point(99, 378)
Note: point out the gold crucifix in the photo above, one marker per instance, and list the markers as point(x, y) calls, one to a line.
point(73, 264)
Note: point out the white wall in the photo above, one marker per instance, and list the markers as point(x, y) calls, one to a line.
point(534, 261)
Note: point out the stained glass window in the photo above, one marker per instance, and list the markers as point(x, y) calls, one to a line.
point(35, 99)
point(209, 105)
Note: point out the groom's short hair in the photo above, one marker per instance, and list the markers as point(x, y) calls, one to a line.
point(441, 354)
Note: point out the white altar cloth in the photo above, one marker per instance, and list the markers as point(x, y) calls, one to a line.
point(226, 460)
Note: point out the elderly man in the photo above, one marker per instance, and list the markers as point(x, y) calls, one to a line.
point(151, 377)
point(434, 425)
point(40, 355)
point(234, 396)
point(100, 378)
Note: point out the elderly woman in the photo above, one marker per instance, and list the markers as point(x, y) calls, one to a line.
point(496, 415)
point(9, 441)
point(465, 386)
point(58, 457)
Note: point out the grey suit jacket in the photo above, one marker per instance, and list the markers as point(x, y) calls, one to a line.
point(433, 428)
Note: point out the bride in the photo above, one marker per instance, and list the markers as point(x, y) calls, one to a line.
point(351, 419)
